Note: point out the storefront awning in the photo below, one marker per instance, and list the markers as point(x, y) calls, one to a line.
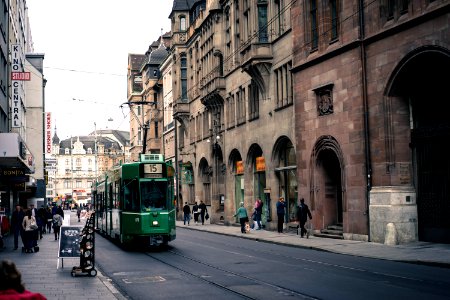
point(13, 154)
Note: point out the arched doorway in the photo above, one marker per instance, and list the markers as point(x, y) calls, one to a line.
point(420, 84)
point(205, 174)
point(219, 178)
point(286, 171)
point(236, 166)
point(256, 162)
point(327, 200)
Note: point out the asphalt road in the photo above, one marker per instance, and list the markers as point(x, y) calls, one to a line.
point(201, 265)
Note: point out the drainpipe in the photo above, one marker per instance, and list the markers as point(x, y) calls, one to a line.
point(366, 111)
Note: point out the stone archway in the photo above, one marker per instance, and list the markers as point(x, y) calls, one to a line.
point(327, 184)
point(420, 89)
point(204, 175)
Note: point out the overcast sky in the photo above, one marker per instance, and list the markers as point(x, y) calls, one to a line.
point(86, 45)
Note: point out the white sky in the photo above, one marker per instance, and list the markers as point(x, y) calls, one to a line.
point(93, 39)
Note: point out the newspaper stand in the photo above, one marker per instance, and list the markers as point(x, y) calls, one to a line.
point(87, 250)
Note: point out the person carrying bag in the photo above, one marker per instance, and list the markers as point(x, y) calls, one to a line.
point(241, 213)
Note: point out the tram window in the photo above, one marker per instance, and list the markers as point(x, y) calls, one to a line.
point(130, 196)
point(153, 195)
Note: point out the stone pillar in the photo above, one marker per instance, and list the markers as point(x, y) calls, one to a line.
point(396, 205)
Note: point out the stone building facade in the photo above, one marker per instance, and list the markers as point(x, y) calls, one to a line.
point(81, 159)
point(371, 117)
point(22, 89)
point(233, 99)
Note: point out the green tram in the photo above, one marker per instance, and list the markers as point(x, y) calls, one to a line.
point(134, 202)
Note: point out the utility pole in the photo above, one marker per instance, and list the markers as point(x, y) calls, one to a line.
point(144, 125)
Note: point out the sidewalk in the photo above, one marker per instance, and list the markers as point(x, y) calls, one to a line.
point(40, 273)
point(417, 252)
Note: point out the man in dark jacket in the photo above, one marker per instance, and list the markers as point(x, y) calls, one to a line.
point(303, 213)
point(187, 213)
point(280, 214)
point(203, 210)
point(16, 224)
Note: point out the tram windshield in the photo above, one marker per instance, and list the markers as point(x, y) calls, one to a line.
point(153, 195)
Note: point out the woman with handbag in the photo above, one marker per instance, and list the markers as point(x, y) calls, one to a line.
point(243, 216)
point(29, 226)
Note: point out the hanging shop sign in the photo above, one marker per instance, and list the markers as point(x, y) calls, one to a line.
point(260, 164)
point(48, 133)
point(239, 167)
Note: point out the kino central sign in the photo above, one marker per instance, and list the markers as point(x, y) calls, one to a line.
point(17, 90)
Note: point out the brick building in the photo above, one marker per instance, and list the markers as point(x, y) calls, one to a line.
point(370, 117)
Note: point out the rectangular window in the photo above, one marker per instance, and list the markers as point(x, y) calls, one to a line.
point(253, 111)
point(198, 128)
point(284, 86)
point(231, 116)
point(262, 23)
point(183, 78)
point(240, 99)
point(206, 126)
point(334, 20)
point(314, 25)
point(192, 130)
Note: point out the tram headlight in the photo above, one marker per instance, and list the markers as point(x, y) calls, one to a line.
point(155, 223)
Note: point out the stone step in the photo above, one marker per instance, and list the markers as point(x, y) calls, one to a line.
point(330, 236)
point(331, 231)
point(335, 227)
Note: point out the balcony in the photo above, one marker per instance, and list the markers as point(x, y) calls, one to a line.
point(212, 90)
point(256, 53)
point(257, 62)
point(181, 111)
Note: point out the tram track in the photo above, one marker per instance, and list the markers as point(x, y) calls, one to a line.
point(255, 253)
point(249, 280)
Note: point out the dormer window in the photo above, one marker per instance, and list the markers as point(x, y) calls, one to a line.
point(182, 23)
point(66, 151)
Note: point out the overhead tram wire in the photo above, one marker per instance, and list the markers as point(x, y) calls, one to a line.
point(86, 72)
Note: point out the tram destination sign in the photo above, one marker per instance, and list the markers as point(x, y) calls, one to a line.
point(153, 171)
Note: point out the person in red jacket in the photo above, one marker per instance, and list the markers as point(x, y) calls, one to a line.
point(11, 286)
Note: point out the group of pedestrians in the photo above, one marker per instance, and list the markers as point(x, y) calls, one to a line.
point(30, 224)
point(198, 210)
point(302, 215)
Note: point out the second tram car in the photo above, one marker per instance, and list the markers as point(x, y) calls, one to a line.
point(134, 202)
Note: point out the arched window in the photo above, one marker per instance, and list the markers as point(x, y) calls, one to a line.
point(182, 23)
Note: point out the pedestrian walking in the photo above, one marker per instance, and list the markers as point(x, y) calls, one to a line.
point(60, 211)
point(280, 213)
point(203, 210)
point(11, 286)
point(187, 213)
point(195, 212)
point(303, 213)
point(42, 220)
point(78, 212)
point(49, 216)
point(57, 222)
point(258, 213)
point(16, 224)
point(241, 213)
point(30, 229)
